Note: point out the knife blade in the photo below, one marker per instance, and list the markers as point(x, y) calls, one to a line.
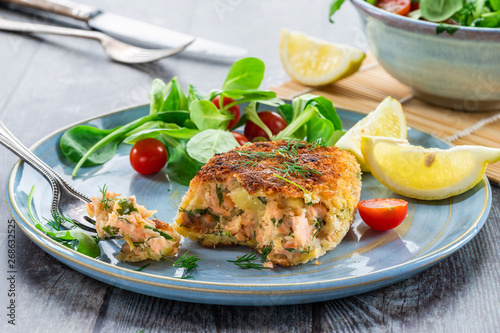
point(134, 31)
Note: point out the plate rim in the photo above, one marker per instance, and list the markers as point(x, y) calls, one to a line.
point(175, 283)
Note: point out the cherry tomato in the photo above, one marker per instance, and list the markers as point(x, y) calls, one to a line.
point(240, 138)
point(400, 7)
point(148, 156)
point(235, 110)
point(415, 6)
point(383, 214)
point(274, 121)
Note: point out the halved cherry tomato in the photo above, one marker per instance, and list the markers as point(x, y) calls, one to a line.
point(148, 156)
point(274, 121)
point(240, 138)
point(383, 214)
point(235, 110)
point(400, 7)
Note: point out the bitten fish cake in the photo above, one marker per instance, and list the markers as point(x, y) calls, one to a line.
point(290, 200)
point(145, 238)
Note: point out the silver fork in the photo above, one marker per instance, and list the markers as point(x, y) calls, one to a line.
point(66, 201)
point(116, 50)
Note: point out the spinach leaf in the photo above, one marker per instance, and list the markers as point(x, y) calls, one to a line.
point(335, 137)
point(327, 110)
point(176, 100)
point(176, 117)
point(78, 140)
point(181, 167)
point(205, 115)
point(318, 128)
point(245, 74)
point(450, 29)
point(248, 93)
point(286, 111)
point(172, 130)
point(439, 10)
point(298, 123)
point(334, 6)
point(251, 114)
point(194, 95)
point(495, 5)
point(324, 106)
point(204, 145)
point(157, 94)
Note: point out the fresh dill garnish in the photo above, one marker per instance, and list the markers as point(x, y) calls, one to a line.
point(142, 267)
point(318, 224)
point(290, 249)
point(296, 169)
point(263, 200)
point(277, 223)
point(200, 211)
point(126, 207)
point(57, 220)
point(218, 190)
point(245, 262)
point(162, 233)
point(215, 217)
point(306, 251)
point(265, 251)
point(104, 199)
point(122, 218)
point(188, 263)
point(307, 195)
point(111, 230)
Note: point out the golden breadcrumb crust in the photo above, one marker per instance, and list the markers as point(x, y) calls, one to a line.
point(329, 162)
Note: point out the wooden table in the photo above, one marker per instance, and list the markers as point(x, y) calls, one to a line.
point(47, 82)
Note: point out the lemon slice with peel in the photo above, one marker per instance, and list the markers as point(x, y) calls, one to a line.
point(427, 174)
point(315, 62)
point(388, 120)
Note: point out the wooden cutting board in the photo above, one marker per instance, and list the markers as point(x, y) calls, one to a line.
point(364, 90)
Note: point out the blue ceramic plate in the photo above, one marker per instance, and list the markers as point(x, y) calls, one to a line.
point(364, 260)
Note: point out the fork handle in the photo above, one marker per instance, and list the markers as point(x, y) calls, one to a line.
point(63, 7)
point(56, 181)
point(28, 27)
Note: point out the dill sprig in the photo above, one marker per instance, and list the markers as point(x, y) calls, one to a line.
point(265, 252)
point(142, 268)
point(296, 169)
point(290, 152)
point(188, 263)
point(104, 199)
point(245, 262)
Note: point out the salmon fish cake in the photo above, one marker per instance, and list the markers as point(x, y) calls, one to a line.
point(145, 238)
point(290, 200)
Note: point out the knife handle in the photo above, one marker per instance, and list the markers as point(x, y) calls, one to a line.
point(62, 7)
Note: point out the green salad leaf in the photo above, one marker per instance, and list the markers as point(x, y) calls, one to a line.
point(204, 145)
point(245, 74)
point(205, 115)
point(78, 140)
point(334, 6)
point(173, 130)
point(318, 128)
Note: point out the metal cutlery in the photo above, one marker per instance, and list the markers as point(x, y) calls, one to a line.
point(116, 50)
point(130, 30)
point(66, 201)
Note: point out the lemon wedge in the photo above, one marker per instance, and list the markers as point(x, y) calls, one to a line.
point(427, 174)
point(315, 62)
point(388, 120)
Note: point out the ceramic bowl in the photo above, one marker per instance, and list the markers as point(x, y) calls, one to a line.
point(459, 71)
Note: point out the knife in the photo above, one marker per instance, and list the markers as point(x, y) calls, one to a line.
point(134, 31)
